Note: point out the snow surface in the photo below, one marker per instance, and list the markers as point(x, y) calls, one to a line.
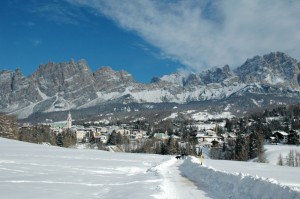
point(24, 112)
point(39, 171)
point(43, 95)
point(172, 116)
point(273, 152)
point(203, 116)
point(42, 171)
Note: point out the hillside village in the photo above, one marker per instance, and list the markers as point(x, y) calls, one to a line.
point(229, 139)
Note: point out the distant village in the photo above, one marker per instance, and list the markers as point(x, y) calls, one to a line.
point(238, 139)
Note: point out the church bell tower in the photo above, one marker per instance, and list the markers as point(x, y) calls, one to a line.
point(69, 121)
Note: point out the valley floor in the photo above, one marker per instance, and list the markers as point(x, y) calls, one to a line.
point(41, 171)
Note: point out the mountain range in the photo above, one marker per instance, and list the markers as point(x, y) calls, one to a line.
point(261, 81)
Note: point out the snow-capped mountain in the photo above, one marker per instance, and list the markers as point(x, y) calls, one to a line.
point(65, 86)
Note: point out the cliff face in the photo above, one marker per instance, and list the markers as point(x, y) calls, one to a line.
point(276, 69)
point(106, 79)
point(16, 91)
point(72, 85)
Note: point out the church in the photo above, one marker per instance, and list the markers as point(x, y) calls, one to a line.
point(58, 127)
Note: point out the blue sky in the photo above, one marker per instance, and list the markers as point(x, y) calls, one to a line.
point(146, 38)
point(33, 33)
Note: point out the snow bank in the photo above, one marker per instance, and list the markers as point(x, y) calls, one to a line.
point(167, 162)
point(235, 185)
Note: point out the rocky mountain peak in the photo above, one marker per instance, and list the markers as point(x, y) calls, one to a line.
point(83, 66)
point(275, 68)
point(226, 70)
point(216, 75)
point(192, 79)
point(106, 79)
point(72, 85)
point(278, 58)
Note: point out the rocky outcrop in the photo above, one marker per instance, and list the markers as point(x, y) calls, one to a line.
point(16, 91)
point(275, 69)
point(106, 79)
point(71, 80)
point(72, 85)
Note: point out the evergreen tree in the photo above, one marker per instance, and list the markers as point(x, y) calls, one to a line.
point(290, 159)
point(163, 147)
point(92, 139)
point(69, 138)
point(297, 159)
point(119, 138)
point(112, 138)
point(241, 148)
point(171, 146)
point(157, 146)
point(228, 125)
point(59, 140)
point(255, 145)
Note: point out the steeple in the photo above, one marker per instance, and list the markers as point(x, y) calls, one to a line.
point(69, 121)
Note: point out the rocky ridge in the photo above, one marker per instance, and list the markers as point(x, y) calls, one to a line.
point(72, 85)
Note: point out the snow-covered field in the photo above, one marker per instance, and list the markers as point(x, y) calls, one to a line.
point(41, 171)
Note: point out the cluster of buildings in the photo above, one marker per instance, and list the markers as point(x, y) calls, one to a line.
point(99, 133)
point(206, 138)
point(209, 138)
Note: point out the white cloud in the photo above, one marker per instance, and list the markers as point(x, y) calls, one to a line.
point(204, 33)
point(55, 11)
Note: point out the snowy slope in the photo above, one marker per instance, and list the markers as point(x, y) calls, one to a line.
point(41, 171)
point(38, 171)
point(273, 152)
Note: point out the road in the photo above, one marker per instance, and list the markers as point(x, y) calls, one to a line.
point(177, 186)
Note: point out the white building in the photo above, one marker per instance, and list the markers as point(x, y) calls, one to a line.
point(80, 134)
point(207, 138)
point(69, 121)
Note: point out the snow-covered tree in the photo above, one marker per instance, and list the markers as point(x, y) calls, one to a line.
point(280, 160)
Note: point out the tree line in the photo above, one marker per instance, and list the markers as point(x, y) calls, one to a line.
point(35, 134)
point(44, 134)
point(8, 126)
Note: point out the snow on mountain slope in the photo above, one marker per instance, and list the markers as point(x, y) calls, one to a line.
point(206, 115)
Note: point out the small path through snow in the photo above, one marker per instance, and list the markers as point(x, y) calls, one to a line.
point(176, 186)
